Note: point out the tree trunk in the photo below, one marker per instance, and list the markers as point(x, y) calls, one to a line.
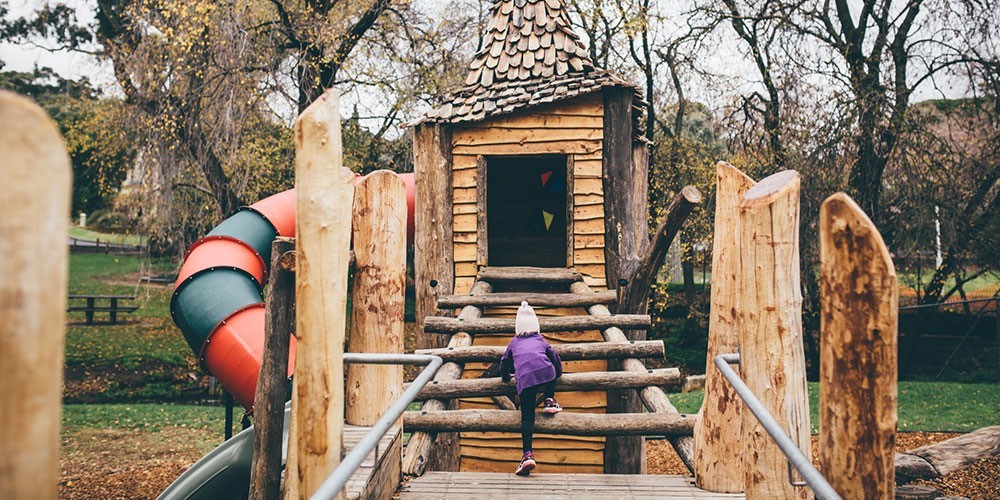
point(858, 361)
point(770, 331)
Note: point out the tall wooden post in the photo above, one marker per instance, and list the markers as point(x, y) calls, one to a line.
point(433, 259)
point(858, 346)
point(770, 331)
point(324, 197)
point(379, 285)
point(33, 217)
point(272, 382)
point(718, 457)
point(624, 232)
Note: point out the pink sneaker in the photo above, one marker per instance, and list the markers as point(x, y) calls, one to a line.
point(527, 464)
point(551, 407)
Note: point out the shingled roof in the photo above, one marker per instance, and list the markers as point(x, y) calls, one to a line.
point(530, 55)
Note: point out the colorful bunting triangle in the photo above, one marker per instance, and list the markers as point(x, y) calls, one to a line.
point(558, 185)
point(545, 177)
point(548, 219)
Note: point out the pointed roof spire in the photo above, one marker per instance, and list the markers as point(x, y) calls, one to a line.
point(530, 55)
point(528, 39)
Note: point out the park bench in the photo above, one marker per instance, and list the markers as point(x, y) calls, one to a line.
point(92, 305)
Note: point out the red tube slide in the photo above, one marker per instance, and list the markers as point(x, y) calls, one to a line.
point(217, 297)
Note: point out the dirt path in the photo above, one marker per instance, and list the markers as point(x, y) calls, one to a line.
point(140, 464)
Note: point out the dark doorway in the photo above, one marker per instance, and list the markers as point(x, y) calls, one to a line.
point(526, 211)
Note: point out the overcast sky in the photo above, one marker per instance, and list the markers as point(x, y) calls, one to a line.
point(725, 61)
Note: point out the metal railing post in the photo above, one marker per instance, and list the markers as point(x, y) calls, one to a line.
point(339, 477)
point(796, 458)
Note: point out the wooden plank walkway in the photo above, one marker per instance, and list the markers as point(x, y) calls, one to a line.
point(379, 474)
point(490, 485)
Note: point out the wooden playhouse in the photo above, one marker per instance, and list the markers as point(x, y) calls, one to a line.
point(537, 161)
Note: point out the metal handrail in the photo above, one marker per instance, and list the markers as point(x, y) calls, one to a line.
point(336, 481)
point(796, 458)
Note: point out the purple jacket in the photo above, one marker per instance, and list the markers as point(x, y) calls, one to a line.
point(532, 360)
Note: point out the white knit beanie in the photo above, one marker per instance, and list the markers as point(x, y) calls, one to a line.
point(526, 321)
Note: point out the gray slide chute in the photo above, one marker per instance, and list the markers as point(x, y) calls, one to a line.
point(224, 472)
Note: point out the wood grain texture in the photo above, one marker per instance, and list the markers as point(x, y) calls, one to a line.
point(653, 398)
point(535, 299)
point(549, 324)
point(590, 381)
point(551, 484)
point(565, 423)
point(718, 459)
point(938, 459)
point(567, 352)
point(770, 331)
point(418, 450)
point(858, 344)
point(272, 382)
point(32, 297)
point(433, 260)
point(378, 295)
point(324, 197)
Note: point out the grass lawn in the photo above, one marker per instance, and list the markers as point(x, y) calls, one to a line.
point(923, 406)
point(124, 239)
point(144, 357)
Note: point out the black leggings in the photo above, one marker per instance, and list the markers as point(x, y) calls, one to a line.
point(529, 399)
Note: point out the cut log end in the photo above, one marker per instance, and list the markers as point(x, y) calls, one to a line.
point(770, 187)
point(692, 194)
point(840, 213)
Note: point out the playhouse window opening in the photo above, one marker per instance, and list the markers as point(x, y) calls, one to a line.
point(526, 210)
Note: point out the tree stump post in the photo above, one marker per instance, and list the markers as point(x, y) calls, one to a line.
point(718, 457)
point(272, 383)
point(37, 177)
point(858, 345)
point(379, 285)
point(770, 331)
point(324, 197)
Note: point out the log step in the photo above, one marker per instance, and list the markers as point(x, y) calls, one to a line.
point(535, 274)
point(438, 324)
point(565, 423)
point(568, 352)
point(535, 299)
point(568, 382)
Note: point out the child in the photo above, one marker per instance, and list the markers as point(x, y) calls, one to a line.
point(535, 366)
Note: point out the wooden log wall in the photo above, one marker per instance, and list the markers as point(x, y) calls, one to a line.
point(626, 228)
point(859, 305)
point(32, 297)
point(433, 259)
point(574, 128)
point(378, 295)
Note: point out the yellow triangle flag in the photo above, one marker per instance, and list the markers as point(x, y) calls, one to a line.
point(548, 219)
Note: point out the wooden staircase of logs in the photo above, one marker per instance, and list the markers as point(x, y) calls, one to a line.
point(435, 417)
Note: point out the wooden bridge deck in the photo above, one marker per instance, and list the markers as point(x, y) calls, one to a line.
point(490, 485)
point(379, 473)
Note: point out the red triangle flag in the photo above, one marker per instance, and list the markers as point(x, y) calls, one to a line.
point(545, 177)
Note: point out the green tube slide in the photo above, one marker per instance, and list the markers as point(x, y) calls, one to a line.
point(207, 298)
point(217, 474)
point(251, 227)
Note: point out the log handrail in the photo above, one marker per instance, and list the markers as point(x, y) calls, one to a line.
point(568, 382)
point(439, 324)
point(565, 423)
point(418, 449)
point(568, 352)
point(653, 398)
point(535, 299)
